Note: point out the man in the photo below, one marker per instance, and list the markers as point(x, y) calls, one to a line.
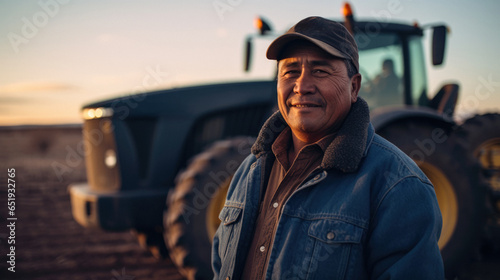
point(387, 85)
point(322, 196)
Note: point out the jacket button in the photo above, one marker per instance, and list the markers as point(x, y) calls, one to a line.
point(330, 235)
point(262, 248)
point(275, 205)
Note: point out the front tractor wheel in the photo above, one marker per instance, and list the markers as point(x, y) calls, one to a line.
point(454, 176)
point(194, 205)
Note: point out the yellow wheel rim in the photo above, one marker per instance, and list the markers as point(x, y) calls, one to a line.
point(488, 155)
point(447, 200)
point(214, 208)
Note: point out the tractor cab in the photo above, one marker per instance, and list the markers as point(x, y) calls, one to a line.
point(388, 76)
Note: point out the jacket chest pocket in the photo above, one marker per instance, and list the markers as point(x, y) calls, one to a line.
point(336, 248)
point(229, 217)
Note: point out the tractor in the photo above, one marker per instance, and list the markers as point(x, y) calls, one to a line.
point(160, 163)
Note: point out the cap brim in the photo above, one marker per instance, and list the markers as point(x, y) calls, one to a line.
point(275, 48)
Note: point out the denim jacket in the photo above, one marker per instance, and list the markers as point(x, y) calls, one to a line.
point(368, 212)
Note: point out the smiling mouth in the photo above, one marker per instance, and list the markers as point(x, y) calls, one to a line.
point(305, 105)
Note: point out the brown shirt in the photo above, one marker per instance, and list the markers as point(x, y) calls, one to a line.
point(284, 179)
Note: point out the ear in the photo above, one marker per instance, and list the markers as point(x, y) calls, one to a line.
point(355, 86)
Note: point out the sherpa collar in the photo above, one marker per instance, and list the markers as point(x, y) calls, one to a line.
point(344, 152)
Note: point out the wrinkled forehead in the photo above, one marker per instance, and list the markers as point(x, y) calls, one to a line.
point(302, 49)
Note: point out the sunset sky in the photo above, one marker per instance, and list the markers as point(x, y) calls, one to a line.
point(55, 56)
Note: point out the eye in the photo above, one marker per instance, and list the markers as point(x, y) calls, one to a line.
point(291, 72)
point(320, 72)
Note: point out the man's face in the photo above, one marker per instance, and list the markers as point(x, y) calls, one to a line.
point(315, 92)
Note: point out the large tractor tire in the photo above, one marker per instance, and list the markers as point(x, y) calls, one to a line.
point(454, 176)
point(481, 137)
point(151, 239)
point(192, 215)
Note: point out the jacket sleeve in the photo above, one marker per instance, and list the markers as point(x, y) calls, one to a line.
point(220, 262)
point(216, 261)
point(405, 230)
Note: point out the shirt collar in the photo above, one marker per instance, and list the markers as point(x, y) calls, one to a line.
point(284, 141)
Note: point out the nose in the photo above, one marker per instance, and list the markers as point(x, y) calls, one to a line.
point(304, 84)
